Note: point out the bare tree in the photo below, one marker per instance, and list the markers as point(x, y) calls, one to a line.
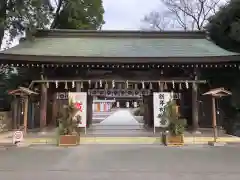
point(186, 14)
point(157, 21)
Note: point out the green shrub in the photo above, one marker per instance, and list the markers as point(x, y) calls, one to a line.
point(176, 124)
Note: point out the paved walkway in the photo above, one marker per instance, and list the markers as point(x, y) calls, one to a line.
point(108, 162)
point(120, 117)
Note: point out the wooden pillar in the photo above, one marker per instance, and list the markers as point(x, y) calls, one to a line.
point(54, 109)
point(195, 107)
point(148, 111)
point(32, 116)
point(25, 118)
point(19, 113)
point(89, 110)
point(145, 115)
point(15, 111)
point(151, 115)
point(214, 119)
point(43, 106)
point(30, 111)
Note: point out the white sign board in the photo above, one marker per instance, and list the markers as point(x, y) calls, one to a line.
point(80, 101)
point(159, 101)
point(17, 137)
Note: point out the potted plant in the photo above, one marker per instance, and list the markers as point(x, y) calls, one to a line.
point(173, 136)
point(68, 131)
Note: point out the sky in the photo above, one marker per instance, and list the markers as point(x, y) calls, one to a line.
point(127, 14)
point(123, 14)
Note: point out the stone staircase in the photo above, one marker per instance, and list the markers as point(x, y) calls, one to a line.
point(98, 117)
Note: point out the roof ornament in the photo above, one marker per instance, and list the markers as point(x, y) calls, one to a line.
point(106, 85)
point(187, 85)
point(180, 86)
point(66, 85)
point(113, 84)
point(135, 104)
point(119, 86)
point(173, 84)
point(127, 84)
point(159, 85)
point(96, 85)
point(136, 86)
point(100, 83)
point(89, 83)
point(81, 85)
point(56, 84)
point(172, 94)
point(127, 104)
point(73, 84)
point(150, 86)
point(143, 85)
point(165, 86)
point(47, 84)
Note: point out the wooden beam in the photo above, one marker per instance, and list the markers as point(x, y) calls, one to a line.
point(118, 81)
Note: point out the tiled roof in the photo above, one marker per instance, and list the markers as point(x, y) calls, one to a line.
point(120, 45)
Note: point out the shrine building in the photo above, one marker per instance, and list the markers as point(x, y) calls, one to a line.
point(116, 66)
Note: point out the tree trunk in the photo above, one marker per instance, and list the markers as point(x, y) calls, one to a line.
point(3, 16)
point(54, 23)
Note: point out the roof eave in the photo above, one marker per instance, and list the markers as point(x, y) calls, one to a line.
point(16, 58)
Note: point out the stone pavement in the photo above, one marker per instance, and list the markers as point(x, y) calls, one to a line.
point(107, 162)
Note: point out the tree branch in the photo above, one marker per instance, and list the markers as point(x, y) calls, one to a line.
point(57, 13)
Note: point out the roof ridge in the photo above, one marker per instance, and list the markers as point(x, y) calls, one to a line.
point(120, 33)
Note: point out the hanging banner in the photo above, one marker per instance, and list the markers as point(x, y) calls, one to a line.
point(160, 99)
point(80, 101)
point(135, 104)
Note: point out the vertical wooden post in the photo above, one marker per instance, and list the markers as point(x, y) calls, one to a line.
point(195, 114)
point(25, 118)
point(145, 116)
point(214, 119)
point(43, 106)
point(54, 108)
point(151, 115)
point(89, 110)
point(148, 111)
point(15, 112)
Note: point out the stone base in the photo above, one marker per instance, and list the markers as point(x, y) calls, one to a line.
point(68, 140)
point(196, 132)
point(22, 144)
point(218, 144)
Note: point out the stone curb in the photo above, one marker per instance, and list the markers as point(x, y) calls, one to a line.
point(135, 140)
